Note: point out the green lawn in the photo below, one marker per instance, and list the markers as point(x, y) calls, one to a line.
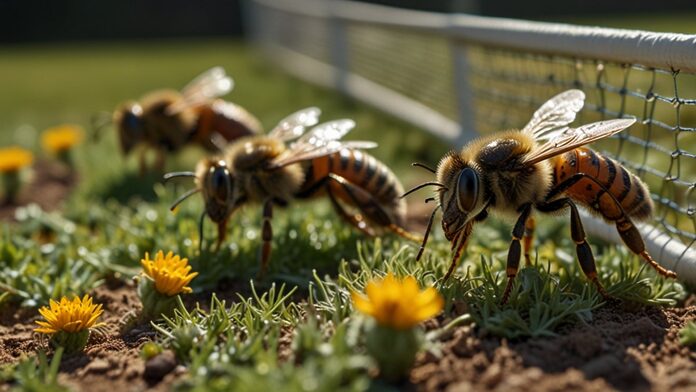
point(114, 217)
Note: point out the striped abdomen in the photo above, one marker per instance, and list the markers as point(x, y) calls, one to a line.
point(615, 180)
point(225, 119)
point(361, 170)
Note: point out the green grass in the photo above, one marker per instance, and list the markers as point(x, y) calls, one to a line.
point(35, 374)
point(114, 217)
point(687, 335)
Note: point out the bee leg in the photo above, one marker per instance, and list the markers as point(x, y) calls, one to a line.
point(633, 240)
point(142, 162)
point(159, 160)
point(222, 233)
point(355, 220)
point(528, 239)
point(266, 236)
point(514, 253)
point(577, 233)
point(458, 246)
point(369, 206)
point(627, 230)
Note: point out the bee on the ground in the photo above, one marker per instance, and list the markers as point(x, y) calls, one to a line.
point(271, 170)
point(167, 120)
point(542, 167)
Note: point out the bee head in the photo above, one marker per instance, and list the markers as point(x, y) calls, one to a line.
point(129, 123)
point(217, 184)
point(462, 198)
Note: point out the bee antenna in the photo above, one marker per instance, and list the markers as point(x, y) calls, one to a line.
point(98, 122)
point(423, 185)
point(184, 197)
point(171, 175)
point(424, 166)
point(427, 234)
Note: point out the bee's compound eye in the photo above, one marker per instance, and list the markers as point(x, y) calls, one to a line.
point(130, 129)
point(467, 190)
point(219, 183)
point(132, 124)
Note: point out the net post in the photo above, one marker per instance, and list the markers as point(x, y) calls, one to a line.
point(250, 17)
point(464, 94)
point(339, 48)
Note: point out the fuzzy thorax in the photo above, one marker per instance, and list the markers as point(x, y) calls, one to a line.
point(250, 160)
point(502, 186)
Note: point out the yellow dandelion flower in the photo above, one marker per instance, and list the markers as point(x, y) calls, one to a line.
point(61, 138)
point(171, 274)
point(14, 158)
point(399, 304)
point(69, 316)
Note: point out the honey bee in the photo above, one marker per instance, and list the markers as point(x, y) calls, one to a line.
point(271, 170)
point(167, 120)
point(542, 167)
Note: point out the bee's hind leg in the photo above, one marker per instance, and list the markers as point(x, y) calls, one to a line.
point(633, 240)
point(514, 253)
point(577, 232)
point(355, 220)
point(369, 206)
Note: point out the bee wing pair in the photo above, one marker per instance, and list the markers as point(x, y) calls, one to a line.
point(210, 84)
point(323, 139)
point(549, 125)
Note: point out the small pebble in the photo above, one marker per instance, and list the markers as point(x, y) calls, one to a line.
point(159, 366)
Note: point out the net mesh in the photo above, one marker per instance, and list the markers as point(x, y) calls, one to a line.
point(507, 86)
point(416, 65)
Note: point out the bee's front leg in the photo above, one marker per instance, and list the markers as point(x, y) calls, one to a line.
point(458, 244)
point(266, 236)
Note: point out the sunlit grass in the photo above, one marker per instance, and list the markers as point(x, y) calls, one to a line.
point(296, 327)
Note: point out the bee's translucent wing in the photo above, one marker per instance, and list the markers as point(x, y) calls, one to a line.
point(324, 139)
point(210, 84)
point(294, 125)
point(576, 137)
point(359, 144)
point(555, 114)
point(323, 133)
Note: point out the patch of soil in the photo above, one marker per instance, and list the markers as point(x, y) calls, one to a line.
point(110, 362)
point(50, 184)
point(619, 350)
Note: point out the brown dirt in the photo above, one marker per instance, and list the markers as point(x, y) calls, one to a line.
point(49, 185)
point(110, 362)
point(620, 349)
